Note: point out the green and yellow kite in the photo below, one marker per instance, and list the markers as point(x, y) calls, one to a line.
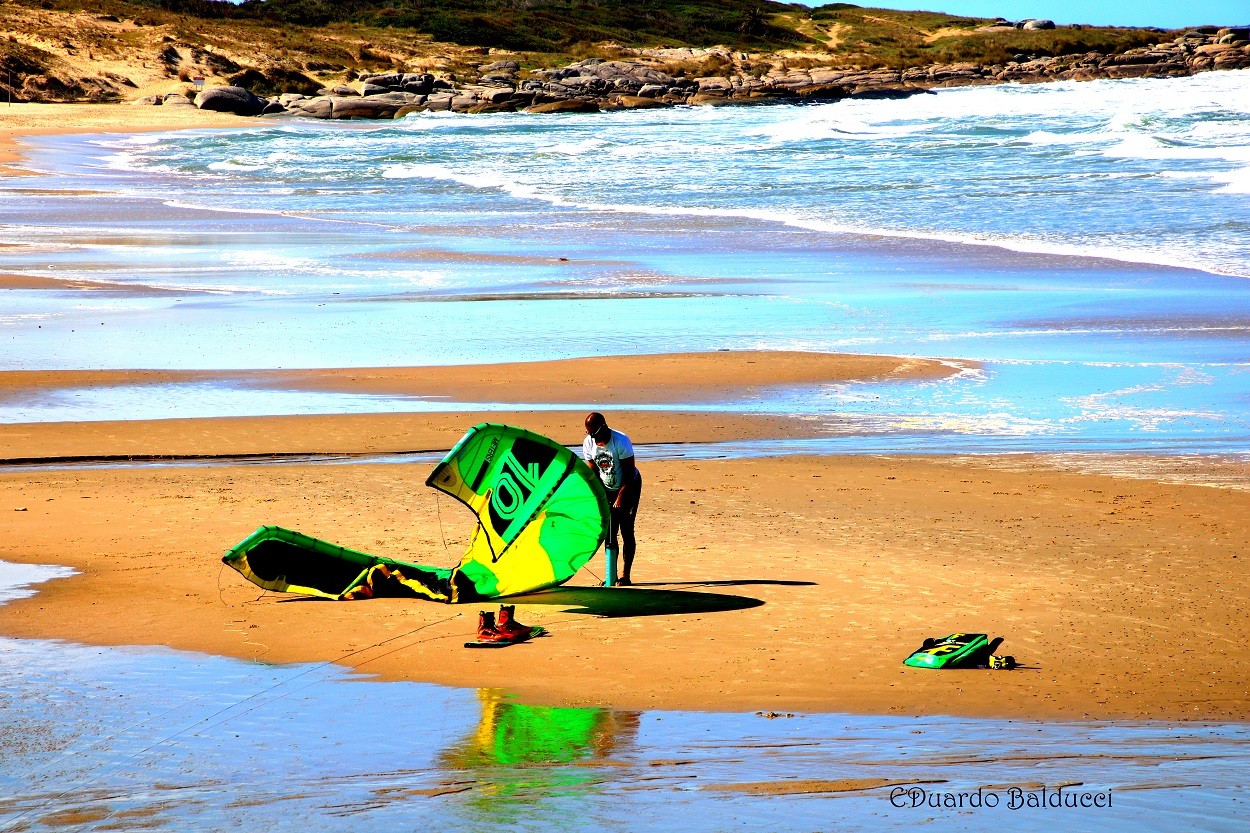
point(541, 515)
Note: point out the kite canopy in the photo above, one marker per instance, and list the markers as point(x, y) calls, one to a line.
point(541, 515)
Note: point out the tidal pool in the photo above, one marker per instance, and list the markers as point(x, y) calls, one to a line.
point(125, 738)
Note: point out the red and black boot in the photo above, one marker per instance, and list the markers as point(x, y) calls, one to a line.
point(487, 631)
point(514, 629)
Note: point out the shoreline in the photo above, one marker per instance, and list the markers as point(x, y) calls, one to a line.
point(19, 120)
point(795, 583)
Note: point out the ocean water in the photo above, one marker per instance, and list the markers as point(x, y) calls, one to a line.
point(1087, 244)
point(140, 738)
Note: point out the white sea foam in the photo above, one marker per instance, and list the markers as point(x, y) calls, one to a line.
point(1234, 182)
point(227, 165)
point(220, 209)
point(17, 580)
point(576, 148)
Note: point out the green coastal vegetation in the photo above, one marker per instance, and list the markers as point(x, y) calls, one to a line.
point(846, 33)
point(103, 50)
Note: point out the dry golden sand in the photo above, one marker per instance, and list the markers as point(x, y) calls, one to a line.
point(17, 120)
point(793, 584)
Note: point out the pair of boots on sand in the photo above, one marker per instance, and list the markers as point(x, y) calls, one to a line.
point(505, 629)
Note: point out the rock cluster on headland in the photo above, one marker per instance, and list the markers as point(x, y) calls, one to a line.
point(595, 84)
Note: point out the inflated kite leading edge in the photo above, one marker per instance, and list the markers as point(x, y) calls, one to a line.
point(541, 515)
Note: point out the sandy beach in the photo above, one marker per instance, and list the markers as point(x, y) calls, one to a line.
point(17, 120)
point(792, 584)
point(789, 583)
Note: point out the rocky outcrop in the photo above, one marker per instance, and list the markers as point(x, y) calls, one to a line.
point(1192, 52)
point(568, 105)
point(236, 100)
point(667, 77)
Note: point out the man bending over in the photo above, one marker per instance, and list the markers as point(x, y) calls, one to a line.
point(611, 454)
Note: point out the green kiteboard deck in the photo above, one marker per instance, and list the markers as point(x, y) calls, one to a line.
point(958, 650)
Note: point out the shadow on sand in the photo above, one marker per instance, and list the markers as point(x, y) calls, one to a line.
point(727, 582)
point(635, 601)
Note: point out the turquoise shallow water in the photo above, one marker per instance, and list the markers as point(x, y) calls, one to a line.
point(1086, 242)
point(106, 739)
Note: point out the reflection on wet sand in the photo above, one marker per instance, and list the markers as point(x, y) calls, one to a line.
point(521, 760)
point(513, 740)
point(123, 739)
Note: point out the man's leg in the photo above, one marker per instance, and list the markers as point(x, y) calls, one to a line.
point(611, 545)
point(628, 511)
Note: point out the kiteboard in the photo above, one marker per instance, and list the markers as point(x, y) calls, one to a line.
point(958, 650)
point(491, 644)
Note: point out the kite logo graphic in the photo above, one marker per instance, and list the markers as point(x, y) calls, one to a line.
point(520, 471)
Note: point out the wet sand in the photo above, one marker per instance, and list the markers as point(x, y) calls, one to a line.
point(778, 584)
point(644, 379)
point(354, 433)
point(63, 284)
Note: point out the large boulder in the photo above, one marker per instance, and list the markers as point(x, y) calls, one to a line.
point(635, 102)
point(439, 101)
point(708, 99)
point(493, 107)
point(321, 107)
point(418, 84)
point(568, 105)
point(389, 80)
point(275, 81)
point(496, 95)
point(1038, 24)
point(367, 107)
point(500, 66)
point(884, 93)
point(234, 100)
point(822, 92)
